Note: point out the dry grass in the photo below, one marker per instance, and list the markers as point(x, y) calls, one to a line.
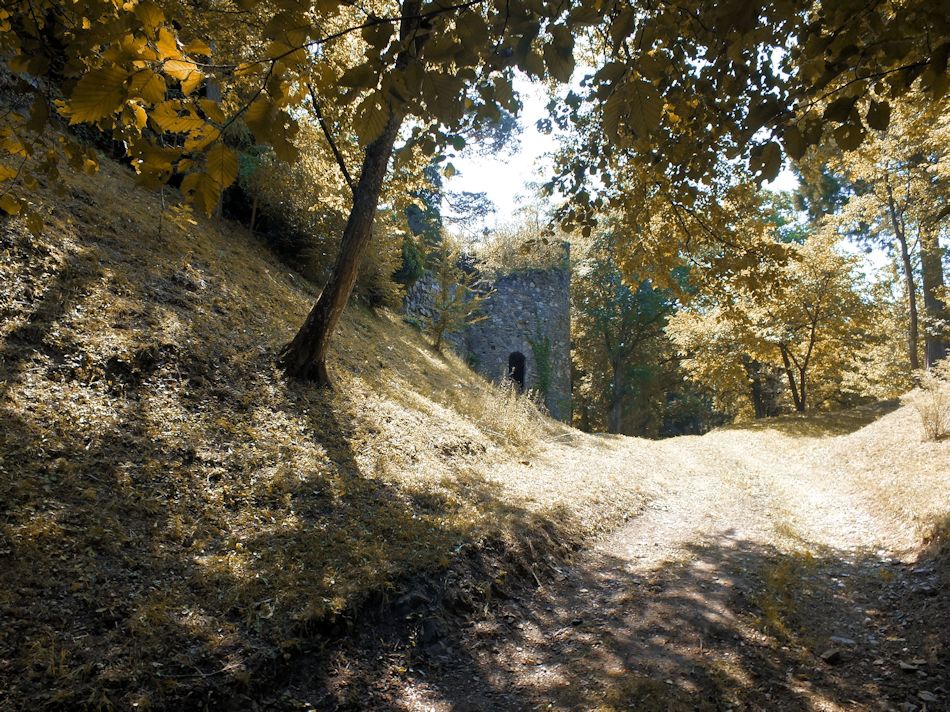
point(932, 401)
point(903, 476)
point(175, 514)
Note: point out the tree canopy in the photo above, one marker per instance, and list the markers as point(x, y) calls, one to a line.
point(673, 105)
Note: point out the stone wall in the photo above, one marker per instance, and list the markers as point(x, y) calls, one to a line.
point(419, 306)
point(527, 313)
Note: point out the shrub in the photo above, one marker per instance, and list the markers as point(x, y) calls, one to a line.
point(413, 263)
point(933, 401)
point(508, 415)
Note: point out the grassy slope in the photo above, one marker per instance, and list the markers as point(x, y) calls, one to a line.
point(174, 514)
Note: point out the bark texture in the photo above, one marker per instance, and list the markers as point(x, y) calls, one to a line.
point(897, 223)
point(932, 279)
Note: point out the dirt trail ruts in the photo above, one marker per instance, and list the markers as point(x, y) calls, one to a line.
point(725, 593)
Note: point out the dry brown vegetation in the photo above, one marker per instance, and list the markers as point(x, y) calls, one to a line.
point(178, 519)
point(175, 513)
point(932, 401)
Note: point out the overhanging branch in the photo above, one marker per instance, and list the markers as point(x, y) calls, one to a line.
point(326, 132)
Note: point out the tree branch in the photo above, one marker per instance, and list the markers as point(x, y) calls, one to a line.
point(326, 132)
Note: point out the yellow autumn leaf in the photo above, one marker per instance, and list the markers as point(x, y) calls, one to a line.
point(176, 117)
point(141, 118)
point(198, 47)
point(167, 45)
point(186, 72)
point(222, 165)
point(201, 138)
point(212, 110)
point(98, 94)
point(259, 118)
point(34, 223)
point(191, 82)
point(150, 15)
point(9, 204)
point(371, 117)
point(148, 85)
point(202, 190)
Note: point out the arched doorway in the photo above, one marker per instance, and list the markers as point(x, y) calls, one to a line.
point(516, 369)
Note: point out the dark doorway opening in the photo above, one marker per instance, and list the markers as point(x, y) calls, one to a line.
point(516, 369)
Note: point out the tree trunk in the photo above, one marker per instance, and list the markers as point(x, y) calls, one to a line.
point(306, 356)
point(909, 285)
point(254, 211)
point(753, 370)
point(802, 397)
point(615, 414)
point(931, 261)
point(799, 406)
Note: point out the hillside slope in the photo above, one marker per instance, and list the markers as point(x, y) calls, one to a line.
point(180, 525)
point(175, 513)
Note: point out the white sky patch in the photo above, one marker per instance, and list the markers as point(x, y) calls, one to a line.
point(506, 177)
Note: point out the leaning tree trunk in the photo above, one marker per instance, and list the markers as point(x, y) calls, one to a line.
point(932, 281)
point(908, 267)
point(796, 397)
point(306, 356)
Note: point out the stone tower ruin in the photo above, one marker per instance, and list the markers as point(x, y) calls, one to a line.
point(525, 334)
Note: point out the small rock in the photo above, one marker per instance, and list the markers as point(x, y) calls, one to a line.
point(841, 640)
point(927, 696)
point(907, 667)
point(832, 656)
point(577, 621)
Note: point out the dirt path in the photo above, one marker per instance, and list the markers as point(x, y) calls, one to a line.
point(757, 580)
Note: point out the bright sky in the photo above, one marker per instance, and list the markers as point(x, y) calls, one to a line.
point(504, 178)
